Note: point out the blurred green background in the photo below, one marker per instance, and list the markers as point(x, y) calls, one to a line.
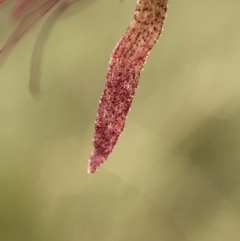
point(175, 172)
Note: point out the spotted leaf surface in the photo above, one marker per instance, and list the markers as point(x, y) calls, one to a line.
point(126, 63)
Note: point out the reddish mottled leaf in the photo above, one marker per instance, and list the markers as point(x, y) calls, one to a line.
point(126, 63)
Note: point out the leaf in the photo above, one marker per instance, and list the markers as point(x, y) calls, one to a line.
point(126, 63)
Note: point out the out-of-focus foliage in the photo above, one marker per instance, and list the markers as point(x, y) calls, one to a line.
point(175, 173)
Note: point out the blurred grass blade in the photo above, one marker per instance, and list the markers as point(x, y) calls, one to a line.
point(34, 83)
point(23, 27)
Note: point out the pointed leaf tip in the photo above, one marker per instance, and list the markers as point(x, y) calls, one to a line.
point(94, 162)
